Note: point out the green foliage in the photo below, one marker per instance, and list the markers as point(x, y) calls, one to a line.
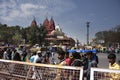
point(6, 32)
point(17, 38)
point(17, 34)
point(34, 35)
point(110, 36)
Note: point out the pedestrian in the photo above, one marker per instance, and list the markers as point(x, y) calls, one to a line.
point(113, 65)
point(77, 62)
point(76, 59)
point(61, 57)
point(18, 69)
point(46, 59)
point(67, 59)
point(37, 59)
point(32, 57)
point(17, 57)
point(5, 54)
point(90, 62)
point(61, 74)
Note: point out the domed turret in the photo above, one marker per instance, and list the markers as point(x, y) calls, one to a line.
point(59, 31)
point(58, 28)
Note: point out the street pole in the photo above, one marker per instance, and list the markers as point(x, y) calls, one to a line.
point(88, 32)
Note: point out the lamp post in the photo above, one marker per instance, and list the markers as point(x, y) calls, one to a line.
point(87, 25)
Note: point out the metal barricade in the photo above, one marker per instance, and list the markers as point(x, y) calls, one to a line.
point(15, 70)
point(104, 74)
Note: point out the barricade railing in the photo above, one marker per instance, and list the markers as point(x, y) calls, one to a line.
point(16, 70)
point(104, 74)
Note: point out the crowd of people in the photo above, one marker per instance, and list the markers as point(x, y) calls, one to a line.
point(65, 58)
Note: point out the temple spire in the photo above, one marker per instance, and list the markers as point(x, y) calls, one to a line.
point(34, 23)
point(49, 25)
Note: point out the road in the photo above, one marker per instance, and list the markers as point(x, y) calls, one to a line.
point(103, 61)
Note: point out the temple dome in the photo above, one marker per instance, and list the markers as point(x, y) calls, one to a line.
point(58, 28)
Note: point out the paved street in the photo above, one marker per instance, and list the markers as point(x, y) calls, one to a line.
point(103, 61)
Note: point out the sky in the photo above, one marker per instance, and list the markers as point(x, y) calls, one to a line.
point(71, 15)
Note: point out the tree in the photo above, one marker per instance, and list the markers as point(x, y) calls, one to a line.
point(17, 38)
point(110, 37)
point(36, 35)
point(24, 34)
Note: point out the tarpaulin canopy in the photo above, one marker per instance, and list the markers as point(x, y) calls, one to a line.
point(82, 51)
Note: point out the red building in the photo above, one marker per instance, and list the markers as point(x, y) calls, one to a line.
point(55, 34)
point(49, 25)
